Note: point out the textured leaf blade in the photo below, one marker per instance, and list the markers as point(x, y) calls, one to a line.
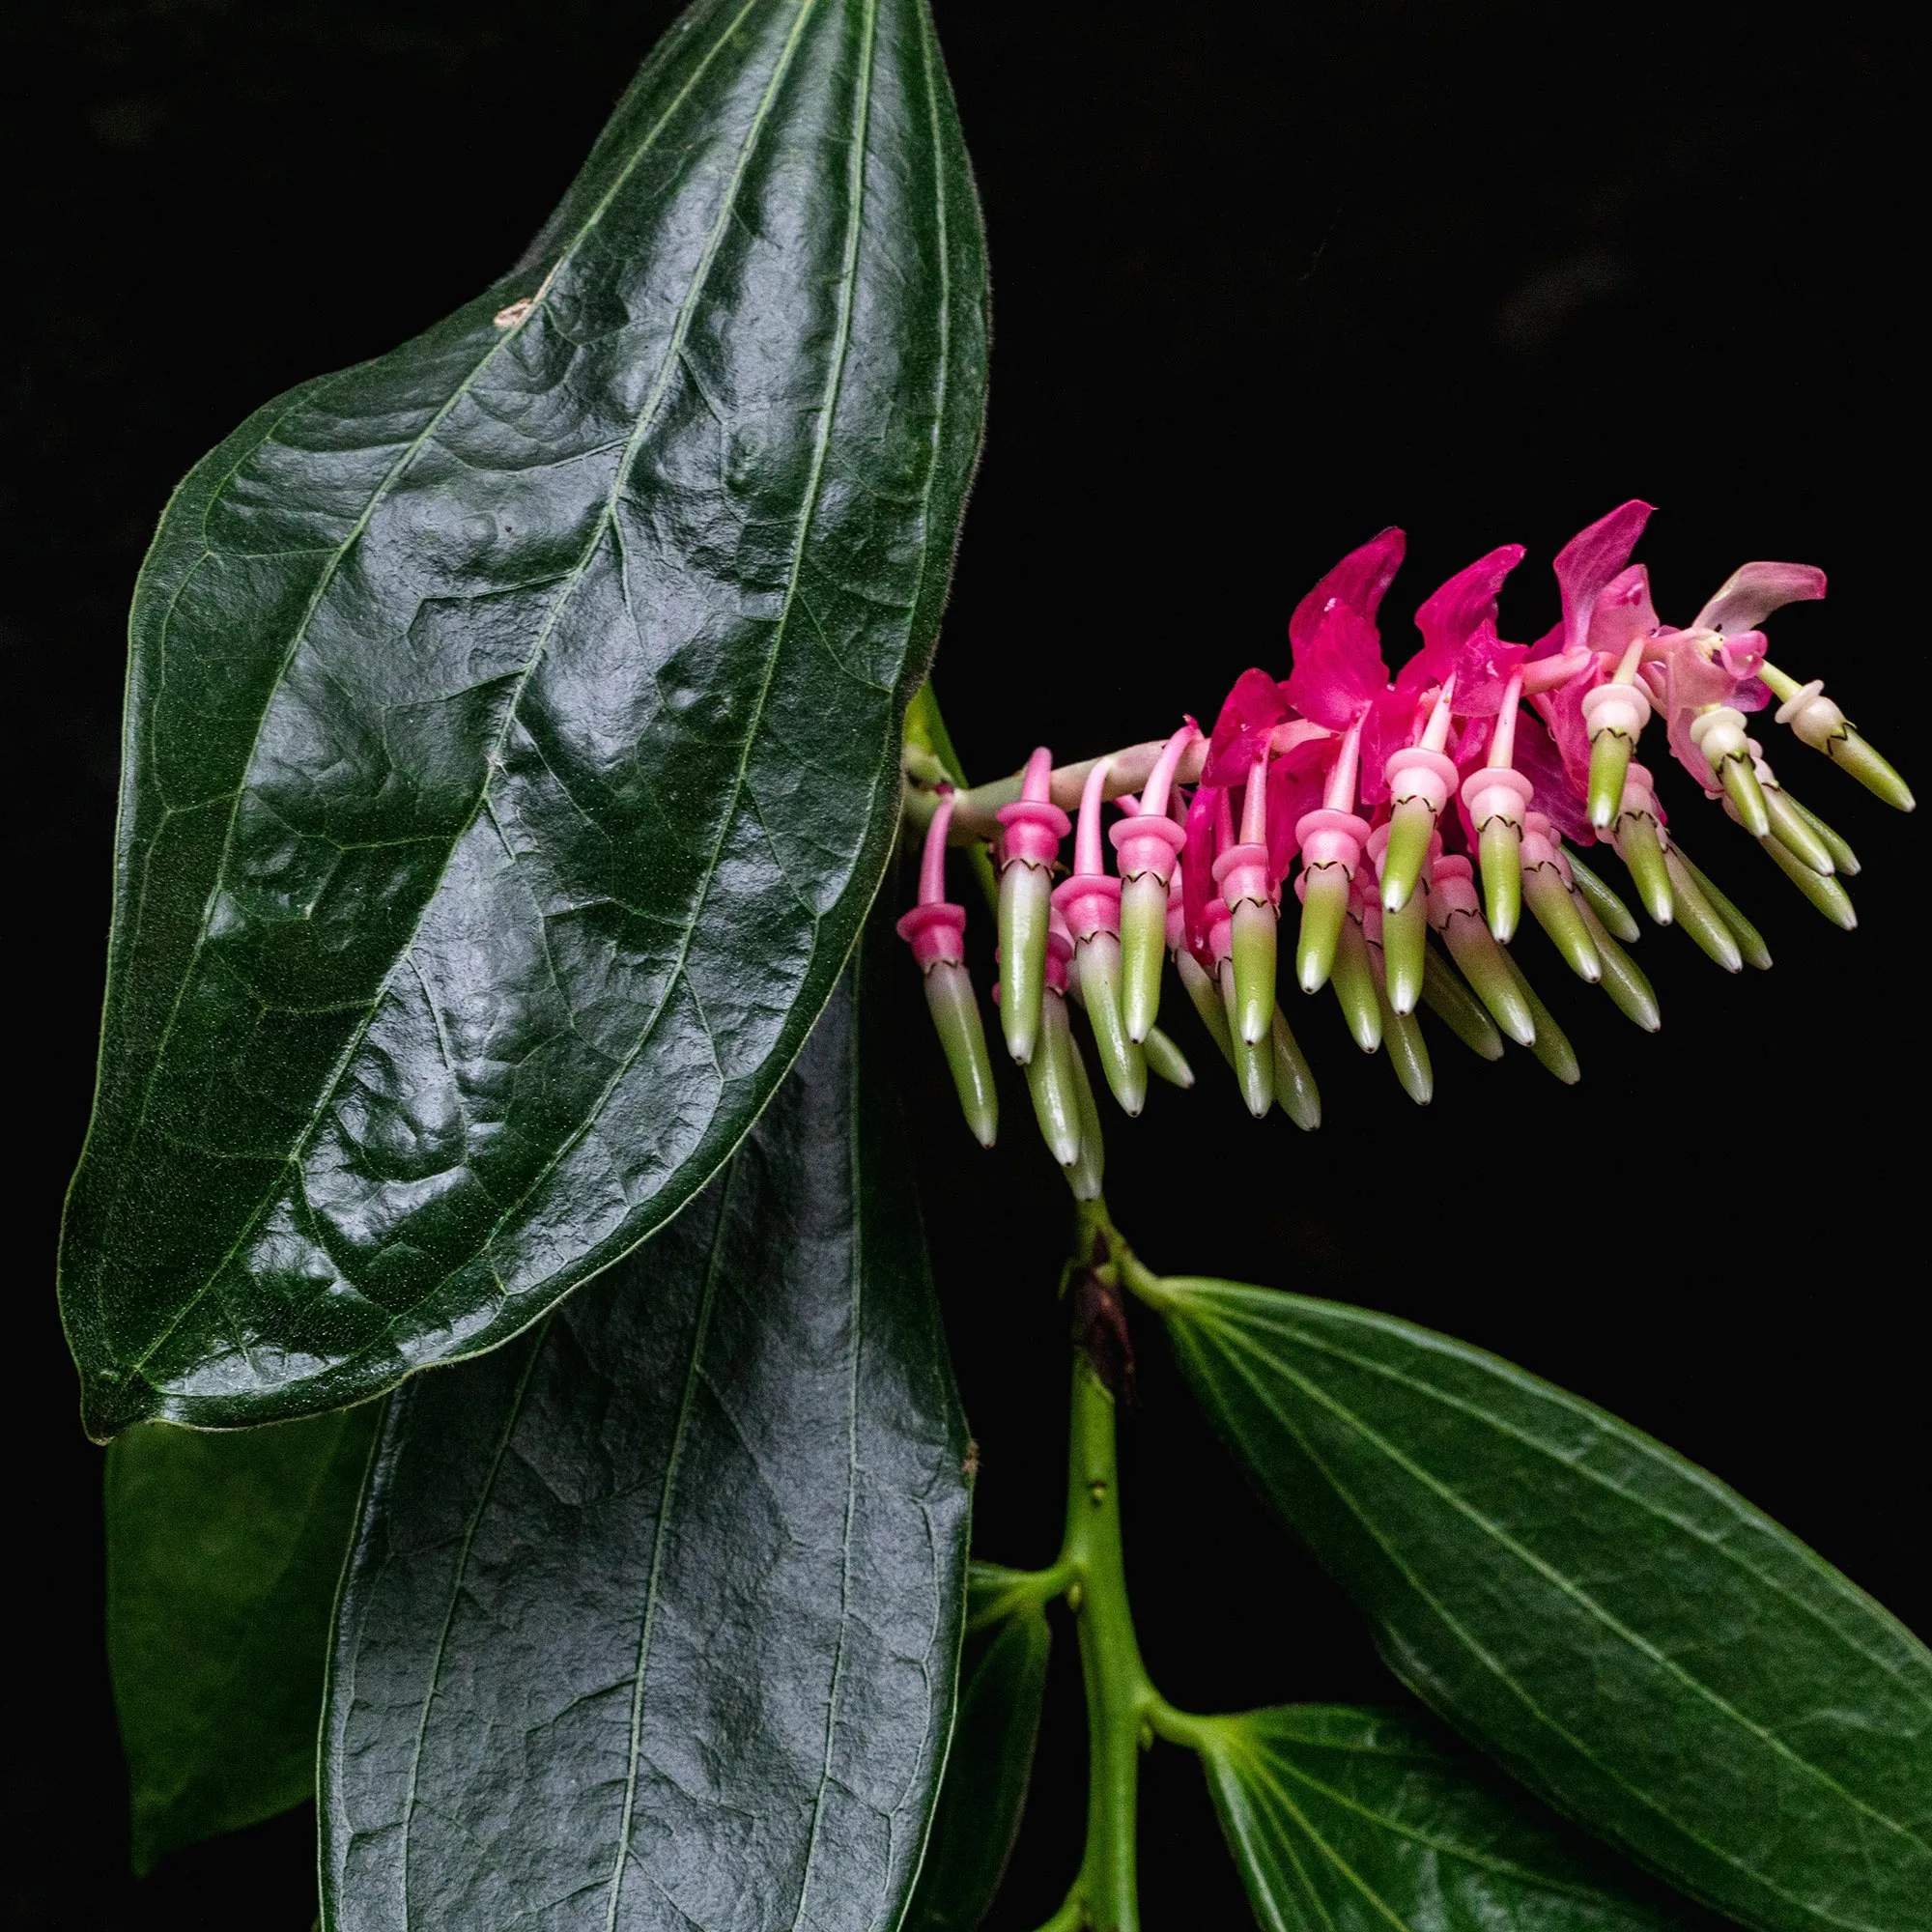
point(512, 732)
point(1351, 1820)
point(1629, 1638)
point(653, 1616)
point(223, 1555)
point(1001, 1682)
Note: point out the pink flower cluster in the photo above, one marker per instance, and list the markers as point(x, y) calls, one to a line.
point(1413, 813)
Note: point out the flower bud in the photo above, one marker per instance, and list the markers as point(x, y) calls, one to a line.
point(1090, 903)
point(1549, 1043)
point(1253, 1064)
point(1718, 732)
point(1166, 1060)
point(1623, 980)
point(1614, 916)
point(1032, 828)
point(1404, 934)
point(1637, 842)
point(1483, 963)
point(1294, 1079)
point(1445, 995)
point(1699, 918)
point(1844, 861)
point(1614, 715)
point(1206, 997)
point(1817, 721)
point(1088, 1170)
point(1056, 1097)
point(1547, 891)
point(1421, 783)
point(935, 928)
point(955, 1017)
point(1146, 848)
point(1407, 1050)
point(1497, 798)
point(1829, 896)
point(1355, 984)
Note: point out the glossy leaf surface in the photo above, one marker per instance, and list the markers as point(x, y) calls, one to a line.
point(1348, 1820)
point(223, 1554)
point(1630, 1638)
point(1001, 1682)
point(512, 737)
point(653, 1616)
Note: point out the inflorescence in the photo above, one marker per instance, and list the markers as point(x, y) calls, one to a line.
point(1390, 799)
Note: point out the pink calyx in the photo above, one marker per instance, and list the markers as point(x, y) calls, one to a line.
point(1033, 826)
point(1452, 890)
point(1328, 838)
point(1220, 933)
point(1145, 845)
point(1496, 791)
point(1639, 799)
point(1540, 846)
point(1090, 901)
point(1176, 913)
point(1059, 950)
point(1418, 773)
point(1619, 707)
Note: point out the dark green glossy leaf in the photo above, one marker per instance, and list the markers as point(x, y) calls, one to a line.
point(1626, 1635)
point(512, 737)
point(1001, 1681)
point(653, 1617)
point(1345, 1820)
point(223, 1554)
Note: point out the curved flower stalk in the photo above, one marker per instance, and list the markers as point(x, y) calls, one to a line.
point(1335, 783)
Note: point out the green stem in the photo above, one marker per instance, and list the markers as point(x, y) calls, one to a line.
point(1118, 1694)
point(1121, 1262)
point(1124, 1711)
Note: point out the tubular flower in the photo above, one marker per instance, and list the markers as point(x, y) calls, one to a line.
point(935, 930)
point(1335, 783)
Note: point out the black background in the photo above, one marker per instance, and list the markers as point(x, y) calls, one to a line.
point(1265, 279)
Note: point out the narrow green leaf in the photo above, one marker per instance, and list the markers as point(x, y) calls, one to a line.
point(653, 1618)
point(1630, 1638)
point(223, 1554)
point(512, 737)
point(1346, 1820)
point(1001, 1681)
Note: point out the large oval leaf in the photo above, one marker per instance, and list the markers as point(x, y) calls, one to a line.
point(223, 1554)
point(653, 1617)
point(512, 737)
point(1346, 1820)
point(1001, 1682)
point(1629, 1636)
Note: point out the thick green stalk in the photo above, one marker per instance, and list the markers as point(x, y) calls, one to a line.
point(1124, 1711)
point(1117, 1691)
